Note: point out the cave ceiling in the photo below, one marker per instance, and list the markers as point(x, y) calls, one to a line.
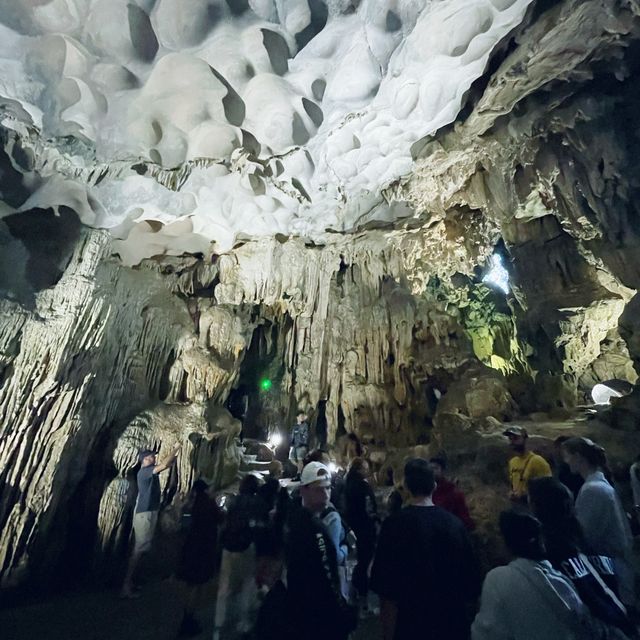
point(192, 127)
point(188, 127)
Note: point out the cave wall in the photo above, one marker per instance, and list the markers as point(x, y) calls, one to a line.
point(112, 359)
point(89, 365)
point(98, 359)
point(548, 152)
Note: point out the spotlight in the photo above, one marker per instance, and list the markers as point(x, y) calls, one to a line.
point(265, 384)
point(275, 440)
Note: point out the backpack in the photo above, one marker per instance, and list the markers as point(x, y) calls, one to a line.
point(349, 538)
point(274, 619)
point(238, 530)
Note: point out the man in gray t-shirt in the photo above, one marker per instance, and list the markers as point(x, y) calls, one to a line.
point(145, 514)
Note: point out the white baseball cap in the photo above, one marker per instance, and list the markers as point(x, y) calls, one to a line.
point(315, 472)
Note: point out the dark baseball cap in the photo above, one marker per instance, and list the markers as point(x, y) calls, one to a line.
point(146, 452)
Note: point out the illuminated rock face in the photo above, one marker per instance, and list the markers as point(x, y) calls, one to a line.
point(258, 126)
point(108, 360)
point(281, 117)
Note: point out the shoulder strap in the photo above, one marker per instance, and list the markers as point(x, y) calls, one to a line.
point(526, 466)
point(602, 583)
point(553, 600)
point(327, 511)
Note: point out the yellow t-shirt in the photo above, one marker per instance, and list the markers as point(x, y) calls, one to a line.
point(524, 468)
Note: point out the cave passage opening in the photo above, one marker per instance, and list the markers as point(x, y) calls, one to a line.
point(256, 399)
point(497, 277)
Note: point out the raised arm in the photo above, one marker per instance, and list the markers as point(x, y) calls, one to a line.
point(169, 461)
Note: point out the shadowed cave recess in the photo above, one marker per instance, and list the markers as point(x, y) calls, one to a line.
point(225, 213)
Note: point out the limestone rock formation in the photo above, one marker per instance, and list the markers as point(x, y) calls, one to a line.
point(309, 195)
point(272, 117)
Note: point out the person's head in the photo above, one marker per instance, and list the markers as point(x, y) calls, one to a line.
point(419, 478)
point(317, 455)
point(269, 490)
point(557, 448)
point(199, 487)
point(249, 485)
point(517, 438)
point(584, 456)
point(147, 458)
point(522, 535)
point(388, 478)
point(201, 490)
point(301, 417)
point(439, 467)
point(551, 502)
point(359, 466)
point(315, 487)
point(275, 469)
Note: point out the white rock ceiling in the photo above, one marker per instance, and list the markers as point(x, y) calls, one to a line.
point(182, 123)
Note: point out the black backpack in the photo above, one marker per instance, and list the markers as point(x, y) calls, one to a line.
point(274, 616)
point(238, 531)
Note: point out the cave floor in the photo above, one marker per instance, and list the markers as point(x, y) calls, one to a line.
point(102, 615)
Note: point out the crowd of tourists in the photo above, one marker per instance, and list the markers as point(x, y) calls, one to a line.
point(311, 558)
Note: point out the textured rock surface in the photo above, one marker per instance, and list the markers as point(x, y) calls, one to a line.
point(278, 117)
point(84, 373)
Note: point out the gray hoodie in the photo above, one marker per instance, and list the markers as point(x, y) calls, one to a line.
point(529, 600)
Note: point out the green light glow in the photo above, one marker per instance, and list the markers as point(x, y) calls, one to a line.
point(265, 384)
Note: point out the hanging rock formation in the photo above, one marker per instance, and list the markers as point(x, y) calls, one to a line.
point(307, 192)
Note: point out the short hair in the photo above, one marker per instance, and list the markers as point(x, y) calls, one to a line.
point(249, 485)
point(357, 465)
point(440, 461)
point(301, 412)
point(418, 477)
point(522, 534)
point(275, 469)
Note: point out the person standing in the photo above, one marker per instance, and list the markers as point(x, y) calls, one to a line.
point(317, 606)
point(600, 513)
point(321, 427)
point(424, 569)
point(245, 527)
point(361, 514)
point(561, 471)
point(198, 560)
point(524, 466)
point(528, 599)
point(448, 496)
point(593, 576)
point(145, 515)
point(299, 441)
